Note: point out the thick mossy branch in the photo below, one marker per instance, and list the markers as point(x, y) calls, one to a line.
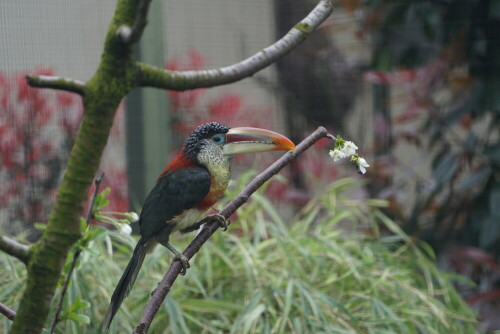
point(115, 76)
point(168, 280)
point(15, 249)
point(151, 76)
point(131, 35)
point(45, 81)
point(76, 255)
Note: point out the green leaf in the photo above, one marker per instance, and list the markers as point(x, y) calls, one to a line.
point(101, 201)
point(209, 306)
point(40, 226)
point(244, 315)
point(175, 316)
point(252, 317)
point(72, 312)
point(94, 233)
point(79, 318)
point(79, 304)
point(83, 224)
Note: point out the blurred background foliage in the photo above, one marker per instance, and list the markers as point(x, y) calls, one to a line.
point(265, 275)
point(455, 53)
point(446, 55)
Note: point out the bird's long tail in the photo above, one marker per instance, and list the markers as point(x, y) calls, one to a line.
point(126, 282)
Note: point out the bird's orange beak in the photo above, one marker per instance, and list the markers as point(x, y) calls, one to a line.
point(252, 140)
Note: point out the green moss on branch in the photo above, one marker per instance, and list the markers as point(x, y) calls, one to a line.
point(115, 76)
point(44, 81)
point(15, 249)
point(304, 27)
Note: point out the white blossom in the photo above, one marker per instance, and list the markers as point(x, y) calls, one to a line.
point(346, 148)
point(349, 148)
point(337, 154)
point(125, 229)
point(362, 165)
point(132, 216)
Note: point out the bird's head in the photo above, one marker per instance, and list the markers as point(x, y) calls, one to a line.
point(214, 141)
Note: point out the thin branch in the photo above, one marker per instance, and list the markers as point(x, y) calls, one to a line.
point(129, 35)
point(168, 280)
point(7, 311)
point(66, 84)
point(181, 80)
point(15, 249)
point(55, 321)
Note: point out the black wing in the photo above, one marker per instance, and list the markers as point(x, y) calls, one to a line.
point(173, 193)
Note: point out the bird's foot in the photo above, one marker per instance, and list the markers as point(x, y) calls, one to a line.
point(184, 262)
point(221, 220)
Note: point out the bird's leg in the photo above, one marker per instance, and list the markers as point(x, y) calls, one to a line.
point(178, 256)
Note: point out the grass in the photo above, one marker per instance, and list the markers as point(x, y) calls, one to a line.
point(267, 275)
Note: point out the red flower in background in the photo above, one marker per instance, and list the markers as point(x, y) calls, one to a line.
point(37, 130)
point(187, 99)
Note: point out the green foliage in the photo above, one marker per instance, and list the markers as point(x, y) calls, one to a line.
point(329, 269)
point(74, 311)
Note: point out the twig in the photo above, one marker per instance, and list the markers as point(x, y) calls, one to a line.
point(131, 35)
point(7, 311)
point(55, 321)
point(46, 81)
point(151, 76)
point(15, 249)
point(168, 280)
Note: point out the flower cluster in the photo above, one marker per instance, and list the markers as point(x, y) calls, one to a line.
point(344, 149)
point(122, 225)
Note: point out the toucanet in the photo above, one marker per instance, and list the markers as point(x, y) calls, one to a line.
point(186, 189)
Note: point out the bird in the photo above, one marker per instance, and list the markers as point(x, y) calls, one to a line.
point(186, 189)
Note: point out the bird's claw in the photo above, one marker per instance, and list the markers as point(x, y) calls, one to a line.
point(221, 220)
point(184, 262)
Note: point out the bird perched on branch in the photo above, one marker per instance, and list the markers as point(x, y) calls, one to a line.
point(187, 188)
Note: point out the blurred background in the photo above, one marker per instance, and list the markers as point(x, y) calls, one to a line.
point(415, 84)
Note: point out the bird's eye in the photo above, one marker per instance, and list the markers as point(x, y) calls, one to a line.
point(218, 139)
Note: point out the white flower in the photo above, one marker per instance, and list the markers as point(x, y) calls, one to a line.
point(349, 148)
point(362, 165)
point(346, 148)
point(131, 216)
point(337, 154)
point(125, 229)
